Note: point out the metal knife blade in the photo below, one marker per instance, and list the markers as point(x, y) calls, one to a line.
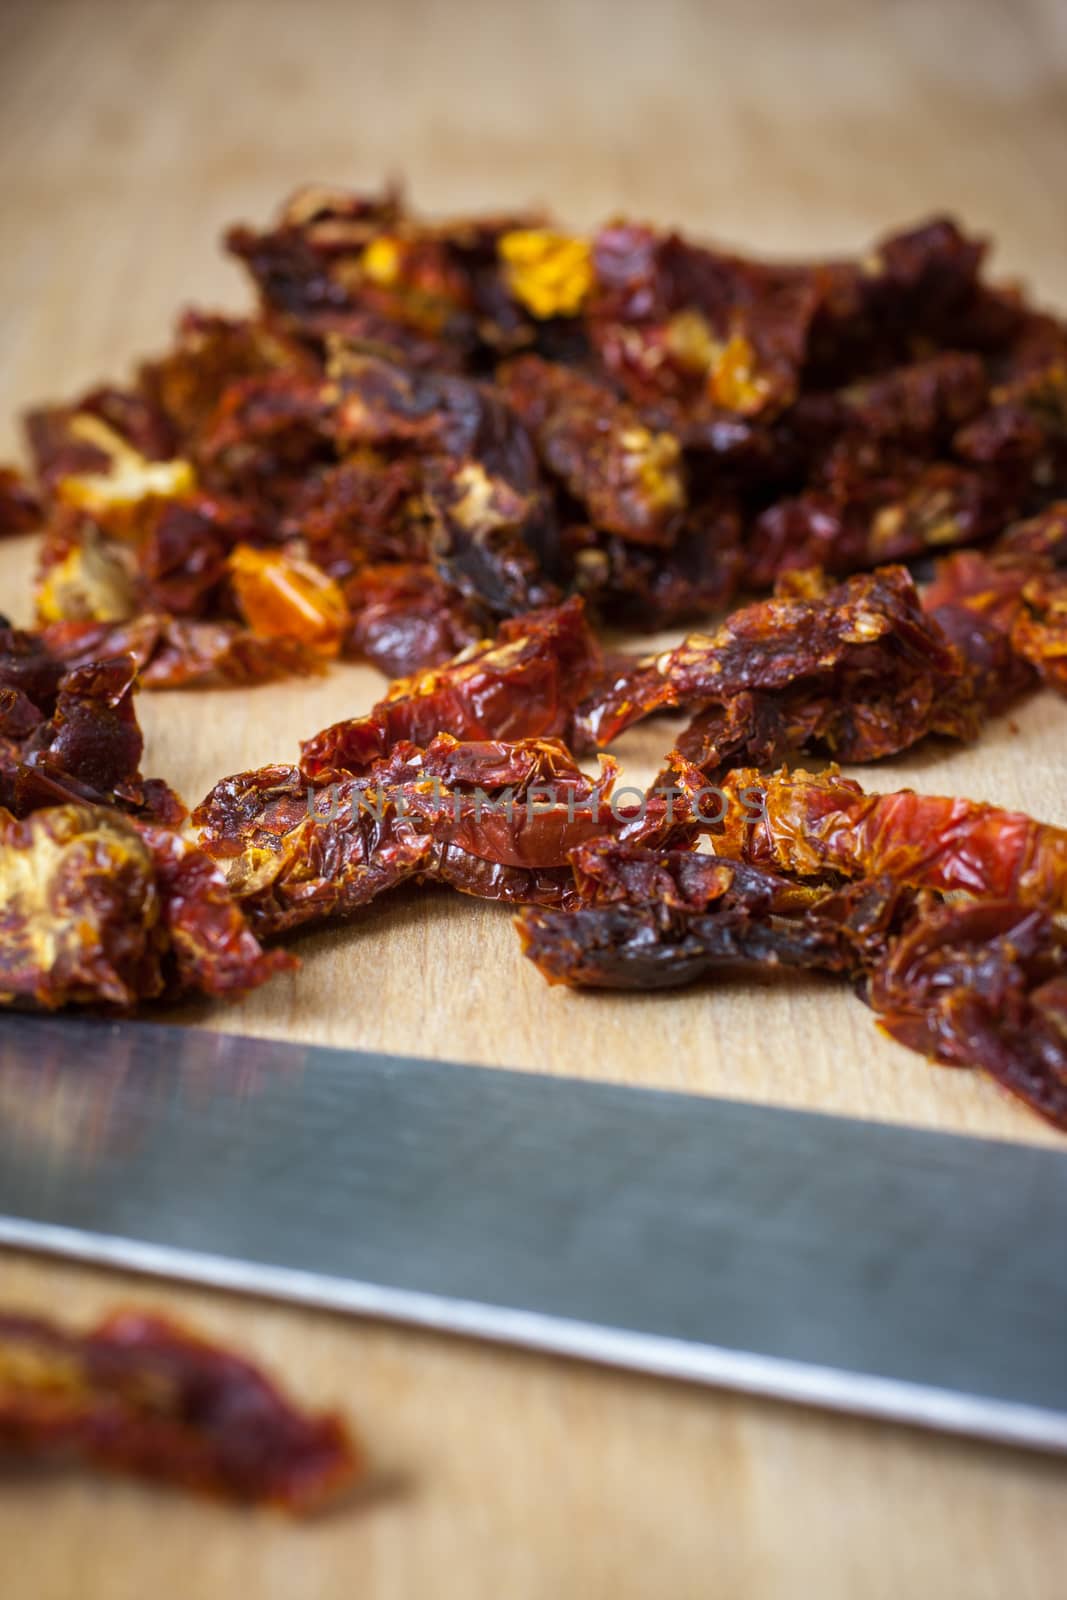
point(901, 1273)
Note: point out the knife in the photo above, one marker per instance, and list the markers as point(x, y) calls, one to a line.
point(900, 1273)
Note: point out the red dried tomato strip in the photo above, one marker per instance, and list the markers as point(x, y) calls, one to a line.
point(813, 824)
point(139, 1394)
point(494, 819)
point(984, 985)
point(656, 919)
point(523, 684)
point(860, 668)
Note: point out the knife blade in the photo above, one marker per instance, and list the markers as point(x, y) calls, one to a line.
point(891, 1271)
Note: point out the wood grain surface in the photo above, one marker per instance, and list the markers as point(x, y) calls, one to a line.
point(131, 133)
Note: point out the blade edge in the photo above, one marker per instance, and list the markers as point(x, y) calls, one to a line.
point(889, 1400)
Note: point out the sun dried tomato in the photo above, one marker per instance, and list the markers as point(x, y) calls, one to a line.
point(68, 731)
point(93, 435)
point(983, 984)
point(154, 914)
point(20, 508)
point(858, 670)
point(266, 434)
point(814, 824)
point(366, 508)
point(139, 1394)
point(489, 511)
point(361, 268)
point(491, 818)
point(176, 652)
point(649, 588)
point(523, 684)
point(1002, 606)
point(848, 526)
point(1039, 635)
point(651, 919)
point(211, 352)
point(693, 335)
point(551, 274)
point(404, 617)
point(627, 478)
point(283, 597)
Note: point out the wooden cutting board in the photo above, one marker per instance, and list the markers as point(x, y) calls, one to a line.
point(131, 135)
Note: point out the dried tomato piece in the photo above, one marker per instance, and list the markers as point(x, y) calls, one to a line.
point(628, 478)
point(655, 919)
point(486, 537)
point(188, 653)
point(917, 285)
point(303, 856)
point(293, 262)
point(1025, 425)
point(211, 948)
point(338, 263)
point(266, 434)
point(692, 334)
point(648, 588)
point(30, 668)
point(367, 507)
point(211, 352)
point(90, 466)
point(984, 985)
point(880, 482)
point(756, 729)
point(180, 652)
point(112, 951)
point(862, 521)
point(85, 574)
point(493, 818)
point(813, 824)
point(92, 738)
point(18, 717)
point(171, 557)
point(986, 583)
point(704, 341)
point(609, 871)
point(1040, 632)
point(523, 684)
point(490, 513)
point(140, 1394)
point(550, 274)
point(538, 804)
point(281, 596)
point(405, 618)
point(20, 508)
point(172, 588)
point(93, 435)
point(182, 560)
point(80, 643)
point(70, 732)
point(294, 864)
point(860, 670)
point(922, 403)
point(1001, 606)
point(153, 914)
point(1039, 538)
